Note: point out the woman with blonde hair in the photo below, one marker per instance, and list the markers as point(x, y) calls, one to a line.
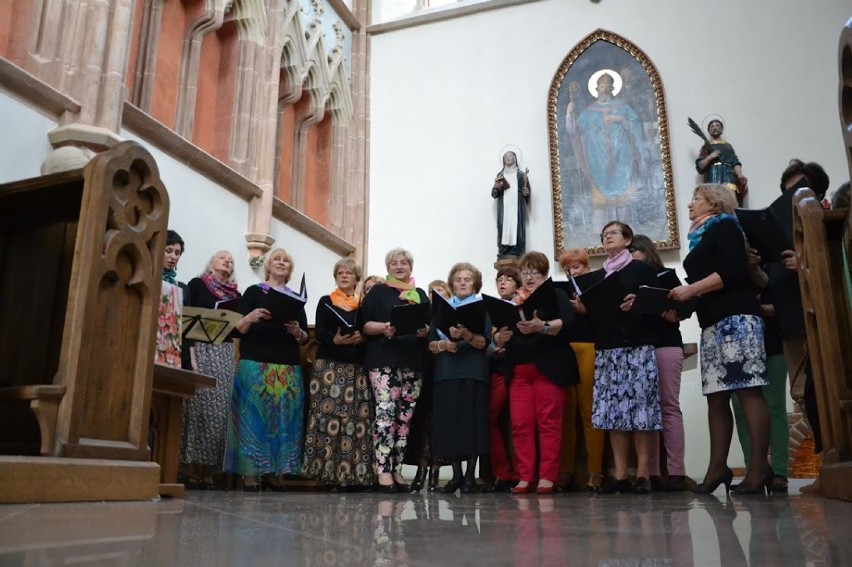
point(265, 427)
point(205, 415)
point(733, 359)
point(394, 364)
point(339, 436)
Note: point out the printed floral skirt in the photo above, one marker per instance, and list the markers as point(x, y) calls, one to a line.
point(626, 395)
point(339, 438)
point(732, 355)
point(266, 421)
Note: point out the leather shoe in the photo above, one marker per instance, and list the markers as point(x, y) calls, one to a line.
point(617, 487)
point(523, 489)
point(468, 486)
point(452, 486)
point(387, 488)
point(642, 486)
point(545, 490)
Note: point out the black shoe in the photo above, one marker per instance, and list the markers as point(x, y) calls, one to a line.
point(387, 488)
point(434, 477)
point(708, 487)
point(779, 484)
point(468, 486)
point(642, 486)
point(452, 486)
point(614, 486)
point(765, 487)
point(656, 483)
point(500, 486)
point(419, 479)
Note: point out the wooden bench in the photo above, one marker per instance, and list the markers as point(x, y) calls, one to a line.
point(81, 257)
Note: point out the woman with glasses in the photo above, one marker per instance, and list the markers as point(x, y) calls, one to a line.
point(626, 399)
point(539, 367)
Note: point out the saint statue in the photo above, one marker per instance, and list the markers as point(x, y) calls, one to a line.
point(512, 190)
point(718, 162)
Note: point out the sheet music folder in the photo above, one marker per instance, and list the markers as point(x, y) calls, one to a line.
point(284, 305)
point(445, 315)
point(347, 320)
point(408, 319)
point(655, 300)
point(502, 313)
point(603, 303)
point(208, 325)
point(769, 230)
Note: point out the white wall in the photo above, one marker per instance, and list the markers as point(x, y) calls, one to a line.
point(23, 142)
point(446, 97)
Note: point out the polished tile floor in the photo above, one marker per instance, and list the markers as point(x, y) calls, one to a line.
point(302, 528)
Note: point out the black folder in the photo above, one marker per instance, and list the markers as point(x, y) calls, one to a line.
point(502, 313)
point(542, 302)
point(576, 286)
point(770, 230)
point(668, 279)
point(228, 304)
point(471, 315)
point(655, 300)
point(408, 319)
point(603, 304)
point(347, 321)
point(284, 305)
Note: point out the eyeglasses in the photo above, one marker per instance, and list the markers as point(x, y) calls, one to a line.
point(612, 233)
point(531, 274)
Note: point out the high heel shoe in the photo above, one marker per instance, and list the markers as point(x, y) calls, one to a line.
point(708, 488)
point(765, 487)
point(452, 486)
point(434, 477)
point(419, 479)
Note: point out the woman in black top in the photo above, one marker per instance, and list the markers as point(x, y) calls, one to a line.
point(339, 436)
point(394, 366)
point(626, 399)
point(205, 416)
point(267, 406)
point(460, 416)
point(733, 358)
point(539, 366)
point(669, 353)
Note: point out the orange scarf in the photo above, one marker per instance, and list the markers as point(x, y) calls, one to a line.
point(343, 301)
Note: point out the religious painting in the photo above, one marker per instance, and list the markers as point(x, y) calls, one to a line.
point(609, 146)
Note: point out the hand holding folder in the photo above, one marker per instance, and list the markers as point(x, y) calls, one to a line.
point(408, 319)
point(347, 321)
point(655, 300)
point(284, 305)
point(471, 315)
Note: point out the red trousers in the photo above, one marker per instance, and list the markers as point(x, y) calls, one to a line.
point(501, 465)
point(536, 405)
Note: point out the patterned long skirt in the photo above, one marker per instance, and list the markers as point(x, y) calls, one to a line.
point(265, 425)
point(205, 417)
point(626, 396)
point(339, 438)
point(733, 355)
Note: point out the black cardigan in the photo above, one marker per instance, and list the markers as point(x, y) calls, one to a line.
point(551, 354)
point(722, 250)
point(398, 352)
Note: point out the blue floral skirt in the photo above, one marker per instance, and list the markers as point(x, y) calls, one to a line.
point(626, 395)
point(732, 355)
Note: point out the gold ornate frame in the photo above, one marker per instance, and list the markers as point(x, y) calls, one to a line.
point(671, 240)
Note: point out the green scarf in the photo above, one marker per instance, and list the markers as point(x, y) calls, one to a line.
point(408, 290)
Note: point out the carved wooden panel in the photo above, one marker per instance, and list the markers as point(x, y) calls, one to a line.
point(108, 340)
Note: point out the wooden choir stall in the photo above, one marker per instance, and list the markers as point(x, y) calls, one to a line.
point(81, 257)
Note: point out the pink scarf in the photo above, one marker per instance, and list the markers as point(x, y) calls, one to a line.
point(612, 265)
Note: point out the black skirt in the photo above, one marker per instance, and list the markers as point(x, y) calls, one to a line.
point(460, 418)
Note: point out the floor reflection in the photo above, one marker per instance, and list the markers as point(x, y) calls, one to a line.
point(215, 528)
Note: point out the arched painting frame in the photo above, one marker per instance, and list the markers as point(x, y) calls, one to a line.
point(609, 159)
